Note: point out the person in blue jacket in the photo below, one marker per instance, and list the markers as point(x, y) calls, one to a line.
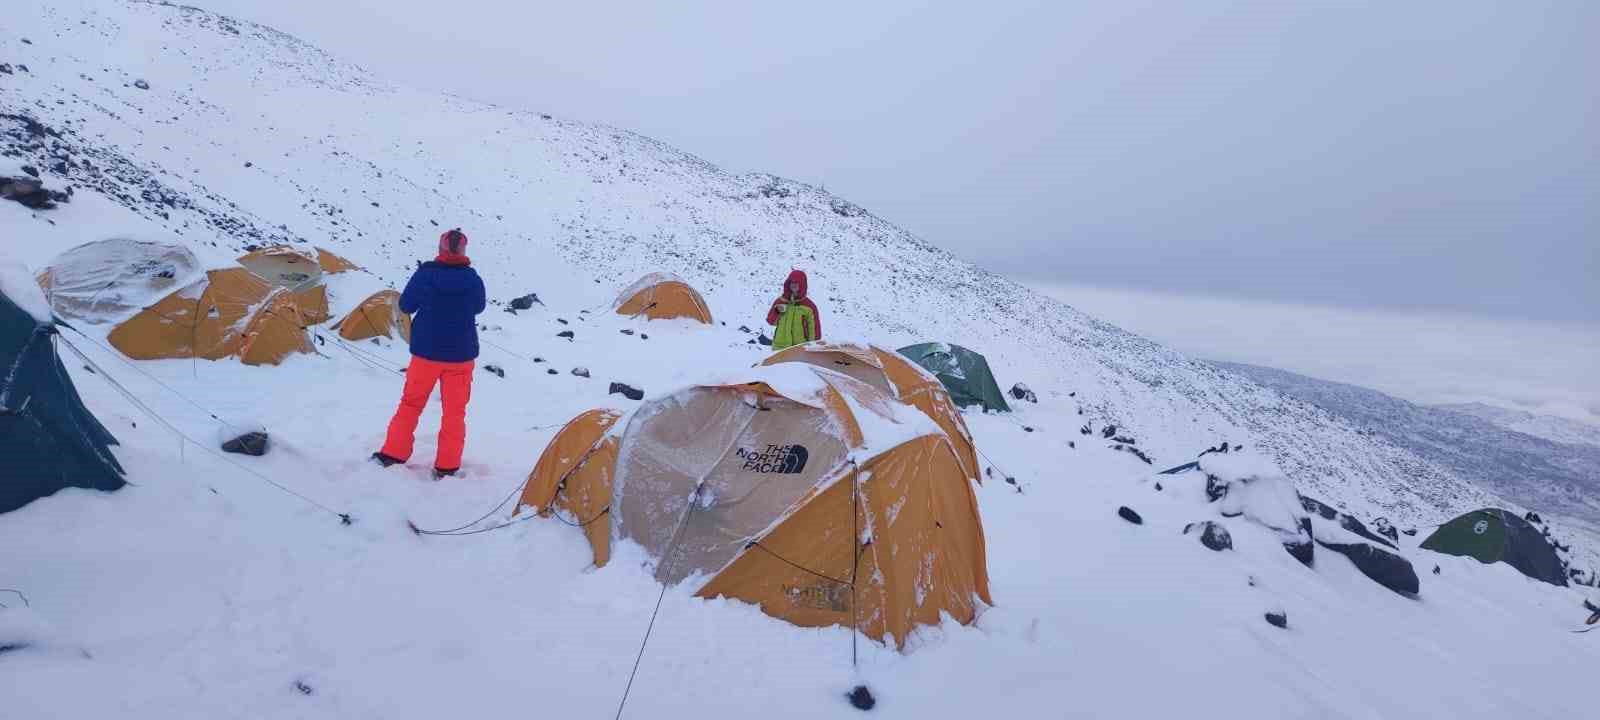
point(444, 298)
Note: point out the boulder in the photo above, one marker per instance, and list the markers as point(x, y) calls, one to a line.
point(1022, 392)
point(526, 301)
point(1532, 516)
point(582, 372)
point(552, 371)
point(1212, 534)
point(628, 391)
point(1386, 529)
point(1383, 567)
point(1278, 619)
point(568, 334)
point(1128, 514)
point(251, 443)
point(29, 192)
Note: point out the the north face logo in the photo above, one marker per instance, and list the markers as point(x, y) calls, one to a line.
point(775, 459)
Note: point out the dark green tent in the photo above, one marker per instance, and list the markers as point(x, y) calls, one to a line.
point(1493, 535)
point(964, 373)
point(48, 439)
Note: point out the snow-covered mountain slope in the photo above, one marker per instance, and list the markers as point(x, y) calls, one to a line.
point(201, 591)
point(1549, 427)
point(1538, 473)
point(246, 135)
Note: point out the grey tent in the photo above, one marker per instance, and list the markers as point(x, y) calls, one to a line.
point(1492, 535)
point(48, 439)
point(964, 373)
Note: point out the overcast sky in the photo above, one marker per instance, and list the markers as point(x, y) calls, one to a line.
point(1396, 155)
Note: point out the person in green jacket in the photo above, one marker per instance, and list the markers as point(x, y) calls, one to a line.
point(794, 316)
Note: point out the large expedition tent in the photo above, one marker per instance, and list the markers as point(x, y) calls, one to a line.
point(663, 296)
point(48, 439)
point(965, 374)
point(301, 271)
point(891, 373)
point(226, 313)
point(804, 491)
point(106, 281)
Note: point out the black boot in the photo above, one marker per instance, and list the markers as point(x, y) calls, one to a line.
point(441, 472)
point(385, 460)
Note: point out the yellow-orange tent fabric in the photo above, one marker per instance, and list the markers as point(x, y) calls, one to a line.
point(798, 489)
point(892, 373)
point(228, 313)
point(377, 316)
point(663, 296)
point(573, 476)
point(300, 270)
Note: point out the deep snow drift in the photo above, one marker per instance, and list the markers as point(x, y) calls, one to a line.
point(201, 591)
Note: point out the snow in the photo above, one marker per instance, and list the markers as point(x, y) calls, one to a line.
point(201, 591)
point(19, 285)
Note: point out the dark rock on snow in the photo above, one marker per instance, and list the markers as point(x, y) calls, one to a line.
point(1383, 567)
point(1302, 547)
point(626, 331)
point(1021, 392)
point(1108, 432)
point(1212, 534)
point(582, 372)
point(141, 84)
point(628, 391)
point(764, 340)
point(526, 301)
point(1278, 619)
point(552, 371)
point(1532, 516)
point(30, 193)
point(496, 369)
point(1410, 532)
point(861, 698)
point(568, 334)
point(1128, 514)
point(251, 443)
point(1386, 529)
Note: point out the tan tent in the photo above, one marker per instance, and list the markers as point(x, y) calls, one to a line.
point(377, 316)
point(662, 296)
point(801, 490)
point(227, 313)
point(108, 280)
point(300, 270)
point(573, 477)
point(892, 373)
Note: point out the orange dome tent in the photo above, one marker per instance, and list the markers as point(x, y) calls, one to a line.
point(892, 373)
point(795, 488)
point(377, 316)
point(106, 281)
point(662, 296)
point(300, 270)
point(227, 313)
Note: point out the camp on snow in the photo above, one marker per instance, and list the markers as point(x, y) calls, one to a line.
point(50, 441)
point(1493, 535)
point(795, 488)
point(893, 374)
point(301, 271)
point(965, 374)
point(662, 296)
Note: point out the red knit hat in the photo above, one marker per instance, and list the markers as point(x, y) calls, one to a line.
point(453, 242)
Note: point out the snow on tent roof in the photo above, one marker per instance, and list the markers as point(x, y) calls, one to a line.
point(655, 278)
point(17, 284)
point(107, 281)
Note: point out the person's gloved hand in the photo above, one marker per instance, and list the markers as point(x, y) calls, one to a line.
point(782, 307)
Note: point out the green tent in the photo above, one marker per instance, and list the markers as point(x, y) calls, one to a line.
point(1493, 535)
point(964, 373)
point(48, 439)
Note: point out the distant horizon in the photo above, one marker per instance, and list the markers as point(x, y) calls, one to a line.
point(1428, 358)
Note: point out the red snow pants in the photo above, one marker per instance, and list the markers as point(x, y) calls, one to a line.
point(455, 389)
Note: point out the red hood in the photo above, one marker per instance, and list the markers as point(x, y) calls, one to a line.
point(795, 276)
